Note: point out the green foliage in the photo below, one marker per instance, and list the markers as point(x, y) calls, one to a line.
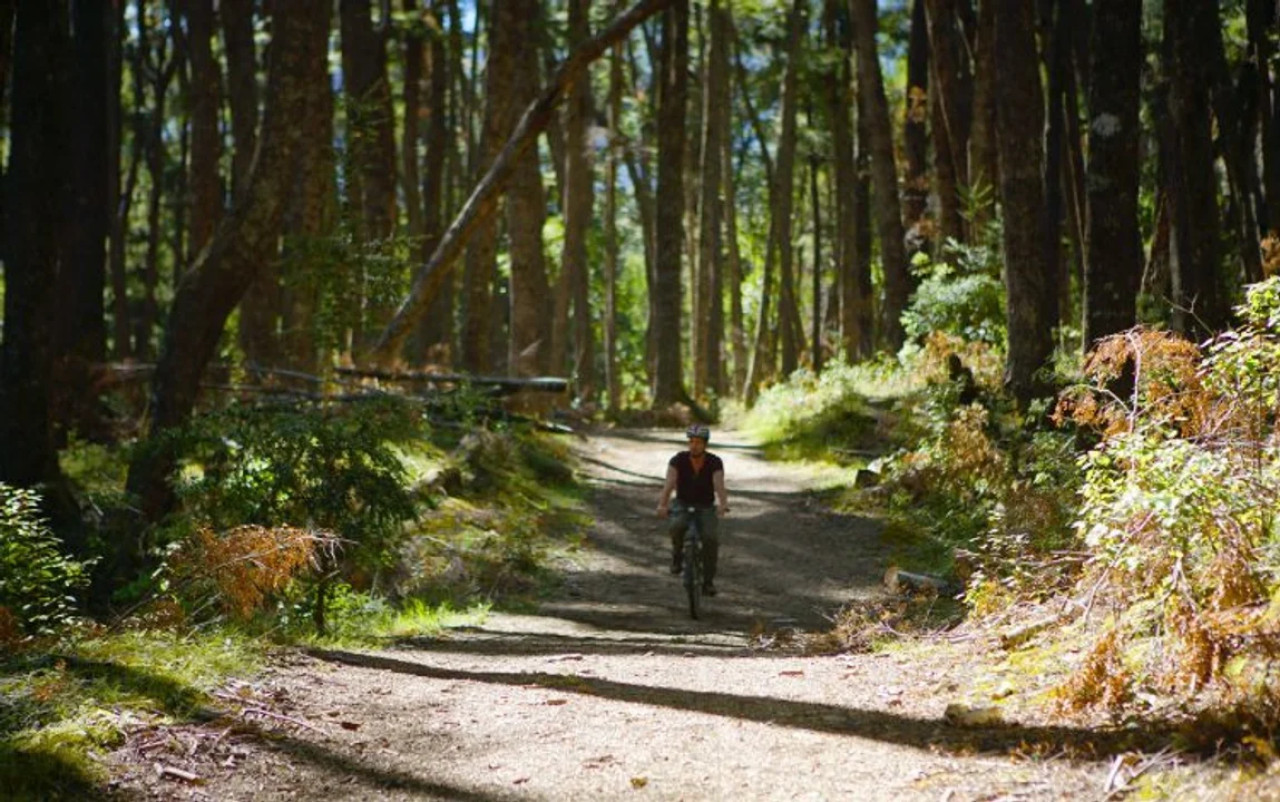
point(1179, 499)
point(37, 581)
point(329, 468)
point(59, 712)
point(827, 415)
point(962, 296)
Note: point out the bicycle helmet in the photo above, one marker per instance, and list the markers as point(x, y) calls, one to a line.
point(699, 431)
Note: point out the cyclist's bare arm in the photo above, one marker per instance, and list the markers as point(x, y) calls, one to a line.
point(717, 480)
point(668, 487)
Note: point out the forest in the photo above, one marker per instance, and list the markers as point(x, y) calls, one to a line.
point(301, 299)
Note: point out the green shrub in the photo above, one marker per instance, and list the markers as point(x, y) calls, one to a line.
point(37, 581)
point(963, 296)
point(329, 468)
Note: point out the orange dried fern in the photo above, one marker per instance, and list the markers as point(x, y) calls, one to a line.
point(249, 565)
point(1101, 681)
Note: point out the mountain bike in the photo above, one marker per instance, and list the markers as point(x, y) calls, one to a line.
point(691, 571)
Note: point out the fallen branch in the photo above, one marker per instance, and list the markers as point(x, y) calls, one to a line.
point(182, 774)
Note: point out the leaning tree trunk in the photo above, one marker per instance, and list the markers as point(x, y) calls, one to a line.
point(246, 238)
point(1113, 268)
point(1199, 300)
point(1029, 279)
point(673, 93)
point(480, 206)
point(884, 172)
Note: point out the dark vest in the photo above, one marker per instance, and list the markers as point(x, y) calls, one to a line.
point(696, 488)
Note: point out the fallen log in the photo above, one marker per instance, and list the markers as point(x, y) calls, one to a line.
point(507, 384)
point(899, 581)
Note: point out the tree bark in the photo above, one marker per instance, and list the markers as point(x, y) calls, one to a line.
point(672, 100)
point(984, 168)
point(245, 239)
point(613, 384)
point(840, 102)
point(1113, 268)
point(1056, 62)
point(1263, 19)
point(709, 325)
point(480, 205)
point(204, 101)
point(242, 87)
point(815, 202)
point(120, 193)
point(874, 106)
point(1199, 300)
point(953, 113)
point(915, 133)
point(1032, 308)
point(81, 340)
point(370, 119)
point(526, 206)
point(411, 133)
point(578, 205)
point(37, 186)
point(782, 205)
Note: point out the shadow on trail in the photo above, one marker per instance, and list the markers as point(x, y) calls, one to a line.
point(876, 725)
point(500, 643)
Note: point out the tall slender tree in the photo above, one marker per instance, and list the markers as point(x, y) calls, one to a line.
point(874, 107)
point(672, 100)
point(578, 206)
point(1031, 307)
point(1114, 267)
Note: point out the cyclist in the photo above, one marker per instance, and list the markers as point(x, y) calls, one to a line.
point(697, 478)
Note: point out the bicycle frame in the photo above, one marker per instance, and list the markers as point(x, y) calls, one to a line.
point(691, 574)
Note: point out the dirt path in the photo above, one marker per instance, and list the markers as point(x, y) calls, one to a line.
point(610, 691)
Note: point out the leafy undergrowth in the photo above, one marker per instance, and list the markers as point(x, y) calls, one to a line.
point(364, 520)
point(63, 703)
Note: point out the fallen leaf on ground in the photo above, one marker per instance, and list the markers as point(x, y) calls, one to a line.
point(792, 673)
point(349, 725)
point(639, 782)
point(557, 701)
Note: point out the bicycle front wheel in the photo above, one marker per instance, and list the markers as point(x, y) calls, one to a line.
point(693, 579)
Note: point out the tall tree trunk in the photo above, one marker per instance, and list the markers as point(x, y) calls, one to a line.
point(865, 310)
point(1029, 278)
point(1114, 258)
point(672, 99)
point(953, 110)
point(414, 56)
point(708, 325)
point(915, 134)
point(737, 328)
point(310, 219)
point(204, 101)
point(984, 168)
point(874, 106)
point(840, 102)
point(1263, 18)
point(613, 384)
point(782, 205)
point(1199, 301)
point(815, 202)
point(160, 67)
point(37, 186)
point(501, 108)
point(1056, 62)
point(245, 239)
point(435, 334)
point(242, 87)
point(120, 193)
point(578, 204)
point(371, 155)
point(526, 205)
point(81, 340)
